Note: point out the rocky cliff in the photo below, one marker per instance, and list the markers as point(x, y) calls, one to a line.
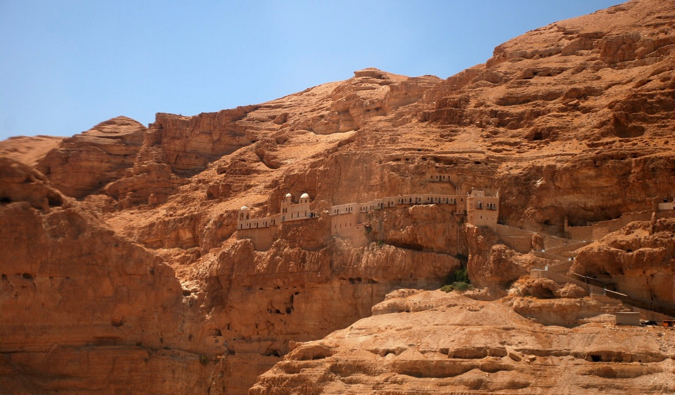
point(123, 269)
point(431, 342)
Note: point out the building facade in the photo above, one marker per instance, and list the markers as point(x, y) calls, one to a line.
point(482, 210)
point(351, 220)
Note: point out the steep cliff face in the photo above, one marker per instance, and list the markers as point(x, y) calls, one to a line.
point(84, 310)
point(262, 301)
point(189, 143)
point(571, 121)
point(492, 264)
point(587, 101)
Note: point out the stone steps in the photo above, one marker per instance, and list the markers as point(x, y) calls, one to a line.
point(600, 288)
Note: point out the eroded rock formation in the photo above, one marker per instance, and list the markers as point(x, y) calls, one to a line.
point(639, 259)
point(123, 246)
point(86, 162)
point(447, 343)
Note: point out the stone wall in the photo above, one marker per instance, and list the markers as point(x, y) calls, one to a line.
point(597, 230)
point(256, 223)
point(521, 239)
point(348, 220)
point(262, 238)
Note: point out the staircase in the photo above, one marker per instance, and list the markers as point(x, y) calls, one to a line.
point(597, 287)
point(561, 251)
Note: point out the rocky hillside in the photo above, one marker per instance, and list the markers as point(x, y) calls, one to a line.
point(122, 268)
point(431, 342)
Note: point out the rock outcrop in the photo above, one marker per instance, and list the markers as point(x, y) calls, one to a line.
point(28, 150)
point(86, 162)
point(447, 343)
point(83, 309)
point(20, 183)
point(638, 260)
point(123, 248)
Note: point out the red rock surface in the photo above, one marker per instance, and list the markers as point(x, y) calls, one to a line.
point(122, 246)
point(84, 163)
point(639, 259)
point(446, 343)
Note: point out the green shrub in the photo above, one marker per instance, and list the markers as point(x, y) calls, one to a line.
point(203, 359)
point(459, 275)
point(447, 288)
point(462, 286)
point(457, 280)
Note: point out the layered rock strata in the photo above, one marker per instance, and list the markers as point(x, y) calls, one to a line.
point(431, 342)
point(571, 124)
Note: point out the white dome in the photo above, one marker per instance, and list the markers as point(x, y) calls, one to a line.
point(304, 196)
point(243, 208)
point(289, 195)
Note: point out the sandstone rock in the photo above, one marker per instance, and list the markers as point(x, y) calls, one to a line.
point(494, 265)
point(571, 121)
point(85, 163)
point(19, 183)
point(142, 182)
point(81, 306)
point(543, 288)
point(570, 290)
point(638, 259)
point(563, 312)
point(189, 143)
point(28, 150)
point(469, 346)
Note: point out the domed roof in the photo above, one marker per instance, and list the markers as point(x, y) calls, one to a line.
point(304, 196)
point(289, 195)
point(243, 208)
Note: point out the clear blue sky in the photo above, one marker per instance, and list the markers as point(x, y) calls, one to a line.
point(70, 64)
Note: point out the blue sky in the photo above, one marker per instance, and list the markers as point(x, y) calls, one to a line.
point(68, 65)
